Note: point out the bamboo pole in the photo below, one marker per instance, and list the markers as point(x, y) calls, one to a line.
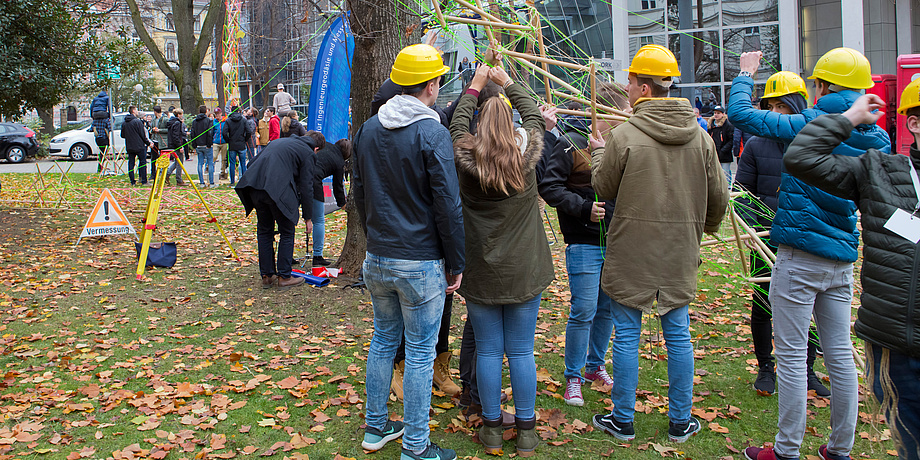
point(437, 11)
point(605, 108)
point(762, 279)
point(731, 239)
point(546, 60)
point(593, 100)
point(552, 77)
point(489, 31)
point(548, 91)
point(583, 113)
point(757, 241)
point(488, 24)
point(744, 263)
point(482, 12)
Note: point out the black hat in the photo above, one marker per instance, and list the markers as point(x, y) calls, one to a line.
point(718, 108)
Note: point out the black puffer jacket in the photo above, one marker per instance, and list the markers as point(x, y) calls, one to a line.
point(134, 133)
point(237, 132)
point(566, 186)
point(760, 170)
point(201, 131)
point(175, 136)
point(880, 184)
point(722, 135)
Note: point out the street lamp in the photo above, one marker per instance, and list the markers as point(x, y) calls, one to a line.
point(137, 94)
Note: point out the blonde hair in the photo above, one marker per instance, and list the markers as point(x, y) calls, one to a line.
point(499, 163)
point(286, 123)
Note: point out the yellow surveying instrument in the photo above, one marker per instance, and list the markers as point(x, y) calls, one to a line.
point(153, 208)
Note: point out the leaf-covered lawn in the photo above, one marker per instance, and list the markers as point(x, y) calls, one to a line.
point(199, 362)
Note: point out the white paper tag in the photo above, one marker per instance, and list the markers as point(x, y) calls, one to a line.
point(904, 225)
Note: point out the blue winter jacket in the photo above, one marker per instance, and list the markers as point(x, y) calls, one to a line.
point(806, 217)
point(100, 103)
point(219, 128)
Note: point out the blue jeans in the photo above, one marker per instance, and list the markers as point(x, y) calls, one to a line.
point(675, 325)
point(505, 330)
point(727, 169)
point(904, 372)
point(234, 154)
point(205, 158)
point(408, 297)
point(319, 227)
point(590, 319)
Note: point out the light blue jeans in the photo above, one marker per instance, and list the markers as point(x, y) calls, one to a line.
point(505, 330)
point(205, 158)
point(590, 319)
point(319, 227)
point(804, 286)
point(727, 168)
point(675, 325)
point(408, 297)
point(234, 155)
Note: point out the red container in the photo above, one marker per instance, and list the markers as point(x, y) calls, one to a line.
point(908, 71)
point(886, 87)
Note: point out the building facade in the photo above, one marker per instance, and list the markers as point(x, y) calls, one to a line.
point(707, 36)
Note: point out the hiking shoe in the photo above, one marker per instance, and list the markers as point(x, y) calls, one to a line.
point(491, 436)
point(432, 452)
point(289, 282)
point(572, 395)
point(814, 383)
point(268, 281)
point(766, 380)
point(319, 261)
point(375, 439)
point(599, 374)
point(623, 431)
point(680, 432)
point(825, 455)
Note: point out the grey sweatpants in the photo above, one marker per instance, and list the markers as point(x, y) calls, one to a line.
point(806, 285)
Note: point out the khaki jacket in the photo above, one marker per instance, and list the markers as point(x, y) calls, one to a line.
point(663, 171)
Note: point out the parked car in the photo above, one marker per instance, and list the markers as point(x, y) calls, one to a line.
point(17, 142)
point(79, 144)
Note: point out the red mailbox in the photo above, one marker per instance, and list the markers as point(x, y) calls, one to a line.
point(908, 71)
point(886, 87)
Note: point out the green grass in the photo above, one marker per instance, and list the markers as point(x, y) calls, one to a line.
point(88, 353)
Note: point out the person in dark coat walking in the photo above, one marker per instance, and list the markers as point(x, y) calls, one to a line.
point(176, 139)
point(330, 161)
point(278, 182)
point(134, 132)
point(202, 140)
point(236, 135)
point(722, 133)
point(886, 189)
point(760, 171)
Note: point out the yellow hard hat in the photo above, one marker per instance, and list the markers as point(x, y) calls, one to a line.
point(910, 97)
point(654, 60)
point(845, 67)
point(783, 83)
point(417, 64)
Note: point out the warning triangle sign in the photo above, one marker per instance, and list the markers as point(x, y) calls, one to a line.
point(107, 219)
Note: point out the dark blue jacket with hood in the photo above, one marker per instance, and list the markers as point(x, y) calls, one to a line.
point(806, 217)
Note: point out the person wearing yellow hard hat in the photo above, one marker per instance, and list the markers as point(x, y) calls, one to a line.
point(887, 189)
point(759, 172)
point(663, 171)
point(407, 196)
point(817, 243)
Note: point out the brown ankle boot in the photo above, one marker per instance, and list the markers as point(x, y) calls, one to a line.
point(441, 375)
point(287, 283)
point(268, 281)
point(396, 385)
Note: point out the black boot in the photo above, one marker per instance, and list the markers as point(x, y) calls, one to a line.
point(766, 379)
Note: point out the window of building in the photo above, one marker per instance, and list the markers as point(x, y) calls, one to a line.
point(751, 31)
point(645, 40)
point(170, 51)
point(649, 4)
point(170, 25)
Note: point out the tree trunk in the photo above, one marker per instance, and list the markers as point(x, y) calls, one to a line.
point(380, 32)
point(219, 55)
point(47, 116)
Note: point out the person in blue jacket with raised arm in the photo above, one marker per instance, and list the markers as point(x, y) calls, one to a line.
point(818, 241)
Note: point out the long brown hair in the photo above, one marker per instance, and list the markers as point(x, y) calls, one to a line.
point(499, 162)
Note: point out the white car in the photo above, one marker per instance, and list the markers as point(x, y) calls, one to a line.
point(80, 143)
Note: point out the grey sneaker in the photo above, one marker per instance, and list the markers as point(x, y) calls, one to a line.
point(375, 439)
point(432, 452)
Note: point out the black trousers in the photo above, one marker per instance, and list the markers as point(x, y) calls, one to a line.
point(141, 162)
point(443, 332)
point(762, 316)
point(267, 216)
point(154, 155)
point(468, 361)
